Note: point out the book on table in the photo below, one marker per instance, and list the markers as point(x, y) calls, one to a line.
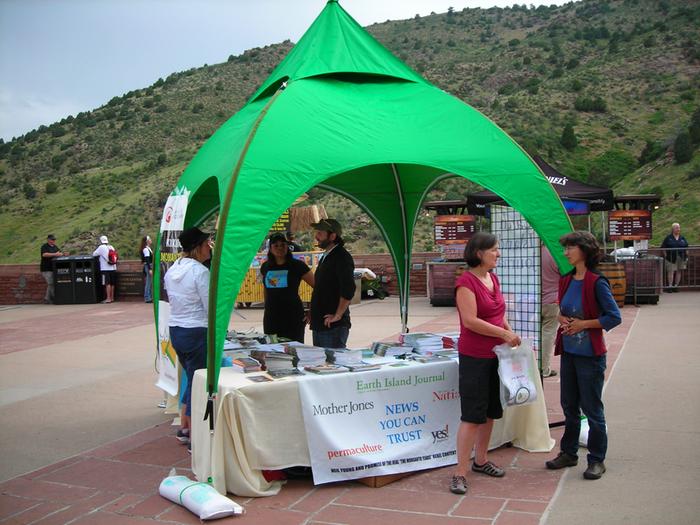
point(363, 366)
point(326, 369)
point(260, 379)
point(430, 358)
point(246, 364)
point(285, 372)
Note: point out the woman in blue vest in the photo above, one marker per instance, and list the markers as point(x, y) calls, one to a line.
point(586, 307)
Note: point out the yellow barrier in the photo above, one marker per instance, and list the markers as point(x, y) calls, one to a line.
point(252, 289)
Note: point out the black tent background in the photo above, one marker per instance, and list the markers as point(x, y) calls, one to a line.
point(600, 199)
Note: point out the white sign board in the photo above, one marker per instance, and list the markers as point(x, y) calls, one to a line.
point(387, 421)
point(170, 228)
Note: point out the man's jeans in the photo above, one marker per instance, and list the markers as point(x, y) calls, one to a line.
point(334, 338)
point(48, 277)
point(582, 390)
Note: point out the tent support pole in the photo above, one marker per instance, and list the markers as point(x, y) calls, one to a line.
point(212, 387)
point(602, 228)
point(405, 285)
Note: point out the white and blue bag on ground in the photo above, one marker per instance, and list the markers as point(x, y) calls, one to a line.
point(517, 373)
point(199, 498)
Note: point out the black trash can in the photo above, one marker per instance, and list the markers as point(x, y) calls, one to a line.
point(77, 279)
point(64, 291)
point(86, 279)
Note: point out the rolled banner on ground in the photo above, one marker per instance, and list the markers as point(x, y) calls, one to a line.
point(199, 498)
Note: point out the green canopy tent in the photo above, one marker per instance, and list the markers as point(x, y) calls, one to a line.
point(342, 113)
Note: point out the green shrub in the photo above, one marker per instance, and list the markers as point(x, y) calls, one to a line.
point(596, 104)
point(28, 190)
point(57, 161)
point(651, 152)
point(683, 148)
point(51, 187)
point(657, 117)
point(507, 89)
point(611, 166)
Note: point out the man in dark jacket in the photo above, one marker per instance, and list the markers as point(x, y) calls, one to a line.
point(49, 250)
point(334, 287)
point(674, 246)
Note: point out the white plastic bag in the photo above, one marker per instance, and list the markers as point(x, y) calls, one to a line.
point(518, 376)
point(199, 498)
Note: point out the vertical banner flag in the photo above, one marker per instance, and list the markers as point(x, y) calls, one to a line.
point(388, 421)
point(519, 271)
point(171, 226)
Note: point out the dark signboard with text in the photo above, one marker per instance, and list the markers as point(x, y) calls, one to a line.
point(629, 225)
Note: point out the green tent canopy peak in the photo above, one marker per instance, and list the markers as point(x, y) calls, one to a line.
point(336, 43)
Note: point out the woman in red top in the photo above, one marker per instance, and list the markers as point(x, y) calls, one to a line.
point(483, 325)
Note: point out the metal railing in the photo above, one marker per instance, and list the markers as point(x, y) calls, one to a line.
point(647, 273)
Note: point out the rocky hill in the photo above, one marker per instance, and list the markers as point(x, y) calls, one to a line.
point(605, 90)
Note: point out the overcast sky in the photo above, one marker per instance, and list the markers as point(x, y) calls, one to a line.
point(61, 57)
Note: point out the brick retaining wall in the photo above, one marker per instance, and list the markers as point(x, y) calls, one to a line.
point(23, 283)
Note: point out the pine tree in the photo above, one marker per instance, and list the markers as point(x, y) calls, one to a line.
point(568, 137)
point(682, 148)
point(694, 127)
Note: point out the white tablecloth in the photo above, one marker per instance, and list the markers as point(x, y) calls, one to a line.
point(259, 426)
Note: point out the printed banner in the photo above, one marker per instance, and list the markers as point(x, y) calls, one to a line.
point(387, 421)
point(170, 228)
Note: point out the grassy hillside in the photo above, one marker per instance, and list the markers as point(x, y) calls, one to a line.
point(621, 73)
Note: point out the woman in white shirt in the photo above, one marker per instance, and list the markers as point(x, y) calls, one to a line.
point(187, 284)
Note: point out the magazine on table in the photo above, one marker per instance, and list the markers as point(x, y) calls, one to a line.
point(285, 372)
point(363, 366)
point(326, 369)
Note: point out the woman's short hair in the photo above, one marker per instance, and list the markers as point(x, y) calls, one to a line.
point(587, 243)
point(480, 241)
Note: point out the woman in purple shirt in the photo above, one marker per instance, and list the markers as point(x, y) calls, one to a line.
point(586, 308)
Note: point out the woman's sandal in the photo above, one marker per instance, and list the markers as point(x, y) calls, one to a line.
point(489, 469)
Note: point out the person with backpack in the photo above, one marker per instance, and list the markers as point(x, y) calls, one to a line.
point(108, 267)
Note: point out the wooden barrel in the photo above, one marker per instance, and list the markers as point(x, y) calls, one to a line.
point(615, 272)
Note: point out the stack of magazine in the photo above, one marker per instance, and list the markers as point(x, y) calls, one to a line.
point(390, 349)
point(280, 365)
point(309, 355)
point(422, 342)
